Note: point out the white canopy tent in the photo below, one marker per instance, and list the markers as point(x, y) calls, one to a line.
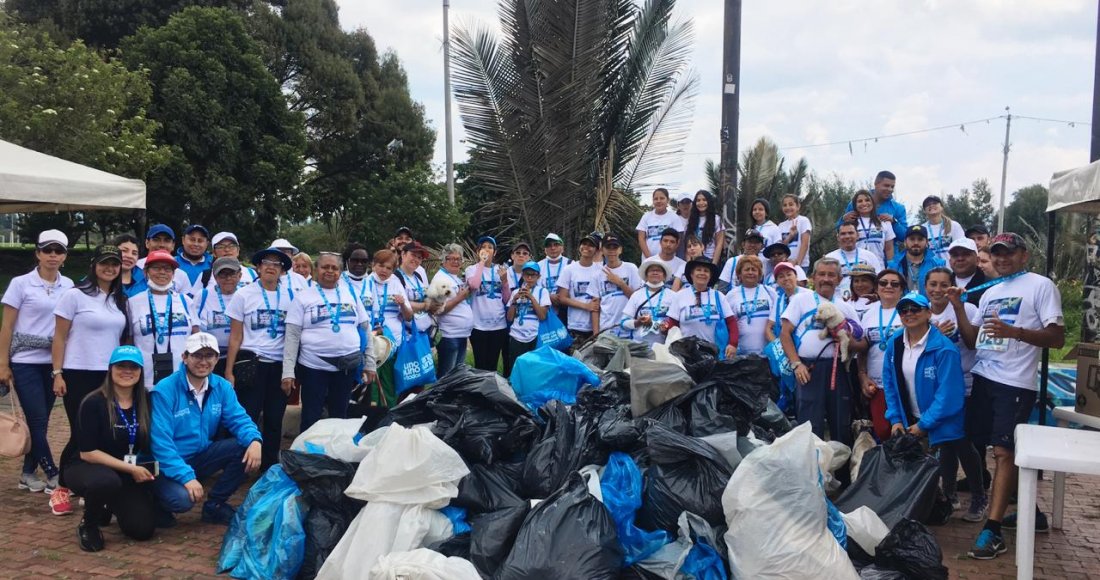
point(34, 182)
point(1076, 190)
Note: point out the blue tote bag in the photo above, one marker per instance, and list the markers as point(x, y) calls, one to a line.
point(553, 333)
point(414, 366)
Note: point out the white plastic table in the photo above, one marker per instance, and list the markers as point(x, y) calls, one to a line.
point(1065, 416)
point(1054, 449)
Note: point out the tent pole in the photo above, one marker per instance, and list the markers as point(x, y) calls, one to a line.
point(1044, 365)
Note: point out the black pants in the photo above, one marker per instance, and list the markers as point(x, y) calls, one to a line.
point(488, 346)
point(106, 489)
point(820, 403)
point(265, 402)
point(77, 386)
point(515, 349)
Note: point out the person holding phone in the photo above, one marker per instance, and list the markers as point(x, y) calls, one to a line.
point(114, 467)
point(526, 309)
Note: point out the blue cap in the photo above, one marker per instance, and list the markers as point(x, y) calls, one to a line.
point(160, 229)
point(283, 258)
point(489, 239)
point(127, 353)
point(197, 228)
point(532, 266)
point(914, 298)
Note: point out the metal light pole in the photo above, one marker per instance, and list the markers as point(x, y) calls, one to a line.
point(731, 78)
point(447, 101)
point(1004, 174)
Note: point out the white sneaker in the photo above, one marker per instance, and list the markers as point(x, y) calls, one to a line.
point(31, 482)
point(51, 484)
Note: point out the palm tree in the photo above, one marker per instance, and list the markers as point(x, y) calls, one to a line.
point(577, 108)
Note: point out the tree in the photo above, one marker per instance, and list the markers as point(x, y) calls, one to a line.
point(761, 176)
point(577, 108)
point(1027, 212)
point(237, 149)
point(971, 206)
point(409, 198)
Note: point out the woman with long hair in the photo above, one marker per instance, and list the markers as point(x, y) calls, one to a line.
point(796, 230)
point(655, 221)
point(706, 225)
point(114, 468)
point(456, 319)
point(91, 320)
point(765, 227)
point(26, 336)
point(873, 236)
point(942, 230)
point(133, 280)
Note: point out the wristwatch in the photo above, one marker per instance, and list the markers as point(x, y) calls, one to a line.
point(56, 373)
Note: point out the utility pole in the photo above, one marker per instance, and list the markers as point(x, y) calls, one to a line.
point(447, 101)
point(731, 79)
point(1004, 173)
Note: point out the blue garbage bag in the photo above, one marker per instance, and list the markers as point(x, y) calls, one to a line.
point(548, 369)
point(266, 538)
point(704, 563)
point(457, 515)
point(621, 484)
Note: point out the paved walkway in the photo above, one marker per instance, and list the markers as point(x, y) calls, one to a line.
point(37, 544)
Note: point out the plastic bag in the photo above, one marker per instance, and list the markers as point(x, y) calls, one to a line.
point(383, 528)
point(777, 515)
point(414, 366)
point(618, 430)
point(569, 535)
point(493, 535)
point(686, 474)
point(265, 538)
point(622, 494)
point(863, 443)
point(653, 383)
point(322, 481)
point(335, 438)
point(611, 353)
point(897, 480)
point(546, 368)
point(409, 467)
point(911, 549)
point(698, 355)
point(486, 490)
point(873, 572)
point(726, 445)
point(553, 334)
point(568, 443)
point(457, 516)
point(696, 551)
point(422, 564)
point(865, 528)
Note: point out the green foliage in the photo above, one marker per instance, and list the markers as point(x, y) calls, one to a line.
point(1072, 311)
point(1027, 212)
point(970, 206)
point(823, 204)
point(237, 149)
point(410, 198)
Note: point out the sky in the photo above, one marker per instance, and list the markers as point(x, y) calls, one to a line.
point(818, 72)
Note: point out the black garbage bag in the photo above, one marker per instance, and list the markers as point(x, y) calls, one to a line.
point(653, 383)
point(772, 421)
point(669, 415)
point(569, 442)
point(456, 546)
point(619, 431)
point(710, 410)
point(698, 356)
point(748, 383)
point(612, 353)
point(685, 474)
point(897, 480)
point(569, 535)
point(911, 549)
point(472, 415)
point(486, 490)
point(492, 536)
point(322, 481)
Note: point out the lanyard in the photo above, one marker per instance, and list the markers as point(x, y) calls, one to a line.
point(882, 329)
point(551, 279)
point(992, 283)
point(333, 313)
point(130, 423)
point(378, 311)
point(273, 324)
point(744, 301)
point(221, 301)
point(362, 289)
point(710, 300)
point(865, 227)
point(161, 331)
point(458, 284)
point(848, 265)
point(781, 302)
point(524, 306)
point(492, 281)
point(515, 278)
point(938, 238)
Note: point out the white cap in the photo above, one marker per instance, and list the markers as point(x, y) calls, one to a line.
point(685, 196)
point(222, 236)
point(284, 244)
point(53, 237)
point(800, 273)
point(199, 341)
point(966, 243)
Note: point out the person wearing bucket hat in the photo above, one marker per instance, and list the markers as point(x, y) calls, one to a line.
point(917, 259)
point(579, 291)
point(290, 278)
point(643, 317)
point(257, 333)
point(160, 318)
point(211, 305)
point(528, 306)
point(752, 302)
point(700, 310)
point(654, 222)
point(491, 291)
point(620, 281)
point(864, 279)
point(942, 230)
point(550, 268)
point(194, 261)
point(26, 336)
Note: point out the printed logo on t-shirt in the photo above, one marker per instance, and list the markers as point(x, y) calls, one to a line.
point(218, 321)
point(750, 308)
point(653, 232)
point(658, 313)
point(180, 325)
point(261, 319)
point(580, 289)
point(611, 289)
point(492, 289)
point(1007, 309)
point(320, 313)
point(702, 312)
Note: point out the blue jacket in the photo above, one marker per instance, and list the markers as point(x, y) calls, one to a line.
point(895, 209)
point(138, 284)
point(941, 392)
point(900, 264)
point(194, 270)
point(181, 430)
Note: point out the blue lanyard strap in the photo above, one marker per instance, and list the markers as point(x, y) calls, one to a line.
point(221, 301)
point(273, 322)
point(333, 313)
point(992, 283)
point(362, 289)
point(848, 265)
point(130, 423)
point(744, 301)
point(161, 330)
point(882, 338)
point(378, 311)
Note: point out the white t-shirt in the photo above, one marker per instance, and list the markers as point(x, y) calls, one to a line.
point(699, 320)
point(909, 369)
point(258, 317)
point(143, 327)
point(874, 237)
point(211, 315)
point(754, 308)
point(460, 320)
point(297, 282)
point(861, 305)
point(645, 300)
point(968, 355)
point(1029, 301)
point(849, 259)
point(878, 336)
point(940, 237)
point(675, 265)
point(488, 302)
point(612, 298)
point(770, 232)
point(549, 273)
point(315, 316)
point(96, 330)
point(583, 283)
point(35, 300)
point(416, 288)
point(708, 251)
point(382, 308)
point(525, 327)
point(812, 345)
point(803, 226)
point(653, 224)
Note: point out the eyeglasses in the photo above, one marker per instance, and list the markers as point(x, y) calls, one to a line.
point(271, 263)
point(54, 250)
point(889, 284)
point(204, 355)
point(909, 310)
point(453, 259)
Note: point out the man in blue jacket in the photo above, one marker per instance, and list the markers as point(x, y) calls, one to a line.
point(917, 259)
point(188, 408)
point(922, 381)
point(194, 260)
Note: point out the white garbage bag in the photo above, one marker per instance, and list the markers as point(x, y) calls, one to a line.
point(334, 438)
point(832, 455)
point(865, 528)
point(422, 564)
point(777, 517)
point(864, 443)
point(382, 528)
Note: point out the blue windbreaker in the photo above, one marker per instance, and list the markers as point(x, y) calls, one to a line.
point(941, 392)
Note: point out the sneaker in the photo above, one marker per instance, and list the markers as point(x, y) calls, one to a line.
point(988, 546)
point(91, 539)
point(976, 513)
point(218, 513)
point(51, 485)
point(164, 519)
point(60, 504)
point(1042, 526)
point(955, 503)
point(31, 482)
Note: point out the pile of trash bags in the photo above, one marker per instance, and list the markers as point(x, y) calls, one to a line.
point(617, 462)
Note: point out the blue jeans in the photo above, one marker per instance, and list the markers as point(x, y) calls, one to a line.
point(452, 351)
point(34, 386)
point(223, 455)
point(324, 389)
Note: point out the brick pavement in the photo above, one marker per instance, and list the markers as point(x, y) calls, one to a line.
point(37, 544)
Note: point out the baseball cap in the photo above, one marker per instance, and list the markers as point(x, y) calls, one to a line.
point(612, 240)
point(783, 266)
point(160, 257)
point(684, 196)
point(862, 270)
point(521, 244)
point(403, 230)
point(160, 229)
point(222, 236)
point(964, 243)
point(283, 244)
point(200, 341)
point(752, 234)
point(931, 199)
point(53, 237)
point(1009, 240)
point(104, 253)
point(197, 228)
point(591, 239)
point(977, 229)
point(127, 353)
point(552, 238)
point(489, 239)
point(226, 263)
point(417, 249)
point(284, 259)
point(532, 266)
point(913, 298)
point(776, 247)
point(917, 231)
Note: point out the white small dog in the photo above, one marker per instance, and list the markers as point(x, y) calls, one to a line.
point(439, 292)
point(835, 326)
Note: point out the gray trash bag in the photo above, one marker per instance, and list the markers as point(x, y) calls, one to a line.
point(610, 353)
point(653, 383)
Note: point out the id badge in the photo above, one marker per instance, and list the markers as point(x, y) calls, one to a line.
point(130, 459)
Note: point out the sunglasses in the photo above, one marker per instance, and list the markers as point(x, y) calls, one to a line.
point(909, 310)
point(889, 284)
point(54, 250)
